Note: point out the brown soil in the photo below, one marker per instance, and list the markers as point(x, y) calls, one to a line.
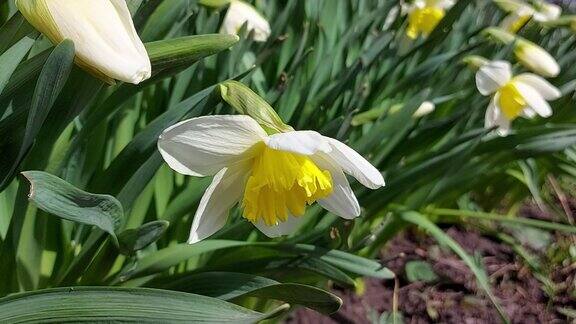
point(454, 297)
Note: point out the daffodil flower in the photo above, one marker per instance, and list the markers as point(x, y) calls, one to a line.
point(521, 12)
point(524, 95)
point(103, 33)
point(239, 13)
point(274, 177)
point(424, 16)
point(546, 11)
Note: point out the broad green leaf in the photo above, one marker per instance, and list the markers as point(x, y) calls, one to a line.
point(58, 197)
point(232, 285)
point(113, 304)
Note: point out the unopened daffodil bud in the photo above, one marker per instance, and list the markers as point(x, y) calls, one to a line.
point(532, 56)
point(535, 58)
point(240, 13)
point(475, 62)
point(103, 33)
point(424, 16)
point(427, 107)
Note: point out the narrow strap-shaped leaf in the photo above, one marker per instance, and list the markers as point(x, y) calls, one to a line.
point(173, 255)
point(174, 55)
point(51, 81)
point(11, 58)
point(231, 285)
point(13, 30)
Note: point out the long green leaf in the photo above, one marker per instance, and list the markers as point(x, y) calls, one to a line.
point(50, 83)
point(121, 305)
point(11, 58)
point(231, 285)
point(173, 255)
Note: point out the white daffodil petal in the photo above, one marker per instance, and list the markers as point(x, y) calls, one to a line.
point(342, 201)
point(490, 77)
point(284, 228)
point(495, 117)
point(547, 90)
point(103, 33)
point(222, 194)
point(528, 113)
point(300, 142)
point(239, 13)
point(355, 165)
point(202, 146)
point(534, 99)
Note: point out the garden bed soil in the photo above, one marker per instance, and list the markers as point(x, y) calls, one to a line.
point(454, 296)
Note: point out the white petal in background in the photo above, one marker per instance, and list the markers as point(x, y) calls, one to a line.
point(239, 13)
point(202, 146)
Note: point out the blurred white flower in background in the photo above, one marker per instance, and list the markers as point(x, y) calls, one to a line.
point(546, 11)
point(273, 176)
point(520, 12)
point(524, 95)
point(239, 13)
point(103, 33)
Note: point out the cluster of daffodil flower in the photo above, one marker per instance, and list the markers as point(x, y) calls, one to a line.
point(275, 173)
